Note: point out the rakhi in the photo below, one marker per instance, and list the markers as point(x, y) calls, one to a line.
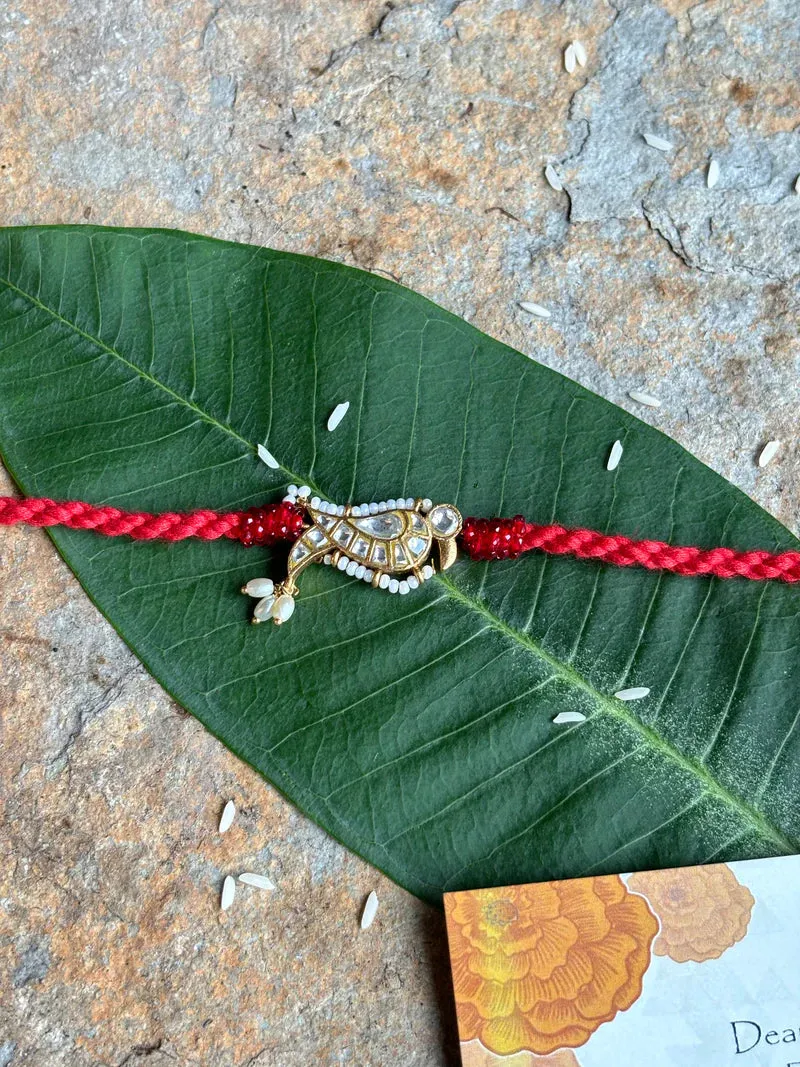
point(394, 545)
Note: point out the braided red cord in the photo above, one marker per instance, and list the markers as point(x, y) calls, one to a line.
point(485, 539)
point(482, 539)
point(263, 526)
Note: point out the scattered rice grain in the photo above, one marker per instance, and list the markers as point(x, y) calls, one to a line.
point(228, 892)
point(268, 458)
point(638, 692)
point(658, 142)
point(553, 179)
point(712, 175)
point(614, 456)
point(227, 817)
point(260, 881)
point(338, 414)
point(580, 52)
point(569, 59)
point(568, 716)
point(644, 398)
point(370, 910)
point(534, 309)
point(768, 453)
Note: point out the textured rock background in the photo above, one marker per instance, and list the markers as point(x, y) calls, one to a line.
point(407, 138)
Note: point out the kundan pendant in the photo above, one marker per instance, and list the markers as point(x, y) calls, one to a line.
point(388, 544)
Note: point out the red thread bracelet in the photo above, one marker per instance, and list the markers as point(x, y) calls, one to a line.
point(481, 539)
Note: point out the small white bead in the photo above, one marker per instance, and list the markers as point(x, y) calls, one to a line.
point(315, 501)
point(427, 572)
point(427, 504)
point(283, 608)
point(403, 588)
point(290, 499)
point(263, 608)
point(392, 504)
point(382, 506)
point(352, 567)
point(367, 575)
point(373, 509)
point(292, 490)
point(259, 587)
point(359, 571)
point(394, 585)
point(327, 559)
point(342, 564)
point(304, 490)
point(413, 582)
point(340, 509)
point(355, 510)
point(330, 508)
point(365, 509)
point(409, 501)
point(384, 581)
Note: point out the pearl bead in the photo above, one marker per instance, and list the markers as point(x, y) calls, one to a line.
point(292, 490)
point(290, 500)
point(384, 581)
point(427, 504)
point(327, 559)
point(365, 509)
point(392, 504)
point(340, 509)
point(304, 490)
point(427, 572)
point(394, 585)
point(283, 608)
point(360, 570)
point(367, 575)
point(315, 501)
point(413, 582)
point(259, 587)
point(373, 509)
point(382, 506)
point(342, 564)
point(355, 510)
point(263, 608)
point(403, 588)
point(352, 567)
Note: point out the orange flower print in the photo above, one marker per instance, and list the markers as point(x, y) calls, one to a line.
point(703, 910)
point(538, 968)
point(473, 1054)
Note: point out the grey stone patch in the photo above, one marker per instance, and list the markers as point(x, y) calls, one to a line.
point(223, 90)
point(7, 1053)
point(33, 965)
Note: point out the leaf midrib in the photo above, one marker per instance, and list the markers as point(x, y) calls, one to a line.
point(605, 704)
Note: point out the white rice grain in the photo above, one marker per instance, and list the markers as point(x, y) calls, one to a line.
point(580, 52)
point(644, 398)
point(568, 716)
point(534, 309)
point(712, 174)
point(260, 881)
point(768, 453)
point(553, 179)
point(638, 692)
point(228, 892)
point(227, 817)
point(658, 142)
point(614, 456)
point(370, 910)
point(338, 414)
point(268, 458)
point(569, 59)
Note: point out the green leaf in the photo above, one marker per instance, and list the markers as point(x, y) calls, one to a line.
point(140, 368)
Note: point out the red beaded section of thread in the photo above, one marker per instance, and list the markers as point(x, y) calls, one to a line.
point(258, 526)
point(487, 539)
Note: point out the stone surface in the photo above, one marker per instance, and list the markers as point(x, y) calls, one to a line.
point(410, 139)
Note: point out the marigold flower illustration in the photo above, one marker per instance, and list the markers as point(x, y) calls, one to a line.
point(473, 1054)
point(539, 967)
point(703, 910)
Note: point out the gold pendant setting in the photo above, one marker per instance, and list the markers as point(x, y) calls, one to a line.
point(388, 545)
